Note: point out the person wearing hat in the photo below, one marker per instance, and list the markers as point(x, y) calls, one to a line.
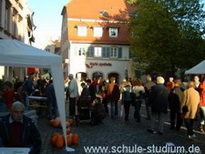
point(18, 130)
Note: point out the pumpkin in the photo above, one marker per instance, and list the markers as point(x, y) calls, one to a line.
point(75, 139)
point(57, 140)
point(55, 122)
point(53, 140)
point(69, 139)
point(51, 122)
point(71, 121)
point(54, 134)
point(68, 131)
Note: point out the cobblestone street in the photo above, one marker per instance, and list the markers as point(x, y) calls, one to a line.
point(114, 133)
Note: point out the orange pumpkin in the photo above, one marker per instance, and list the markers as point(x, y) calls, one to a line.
point(53, 140)
point(68, 131)
point(67, 124)
point(69, 139)
point(51, 122)
point(55, 123)
point(59, 141)
point(71, 121)
point(54, 134)
point(75, 139)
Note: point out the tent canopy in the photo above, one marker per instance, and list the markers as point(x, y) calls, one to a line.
point(17, 54)
point(198, 69)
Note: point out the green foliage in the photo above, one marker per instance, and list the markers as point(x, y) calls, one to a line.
point(167, 35)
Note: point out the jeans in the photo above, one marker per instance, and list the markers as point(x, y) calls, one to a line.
point(114, 109)
point(175, 119)
point(157, 121)
point(127, 109)
point(137, 110)
point(189, 123)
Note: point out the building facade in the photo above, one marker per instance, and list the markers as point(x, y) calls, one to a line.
point(94, 39)
point(15, 23)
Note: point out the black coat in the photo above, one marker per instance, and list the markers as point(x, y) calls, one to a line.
point(158, 98)
point(30, 137)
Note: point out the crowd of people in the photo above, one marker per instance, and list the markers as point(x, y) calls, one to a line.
point(160, 98)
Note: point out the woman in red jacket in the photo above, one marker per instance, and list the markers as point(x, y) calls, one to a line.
point(8, 94)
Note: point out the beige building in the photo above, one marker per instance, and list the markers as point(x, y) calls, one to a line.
point(15, 23)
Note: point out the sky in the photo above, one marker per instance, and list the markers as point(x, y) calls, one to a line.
point(48, 19)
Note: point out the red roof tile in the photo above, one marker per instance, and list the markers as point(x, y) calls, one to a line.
point(90, 9)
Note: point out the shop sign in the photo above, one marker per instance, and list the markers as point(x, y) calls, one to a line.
point(91, 64)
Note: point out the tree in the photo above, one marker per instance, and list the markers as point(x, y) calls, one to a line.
point(167, 35)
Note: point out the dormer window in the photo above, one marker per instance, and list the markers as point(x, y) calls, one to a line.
point(97, 31)
point(82, 30)
point(113, 32)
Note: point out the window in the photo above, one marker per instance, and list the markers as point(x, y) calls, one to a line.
point(113, 32)
point(97, 52)
point(113, 52)
point(97, 31)
point(81, 51)
point(82, 30)
point(7, 16)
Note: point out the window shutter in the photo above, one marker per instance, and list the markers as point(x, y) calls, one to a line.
point(90, 52)
point(119, 52)
point(106, 52)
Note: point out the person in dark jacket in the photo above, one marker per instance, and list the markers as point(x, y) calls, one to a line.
point(98, 112)
point(175, 99)
point(92, 89)
point(52, 111)
point(159, 106)
point(18, 130)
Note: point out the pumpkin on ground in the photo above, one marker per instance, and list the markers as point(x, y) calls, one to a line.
point(55, 122)
point(69, 139)
point(57, 140)
point(68, 131)
point(75, 139)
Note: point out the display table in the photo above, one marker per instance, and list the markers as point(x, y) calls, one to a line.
point(38, 103)
point(37, 98)
point(14, 150)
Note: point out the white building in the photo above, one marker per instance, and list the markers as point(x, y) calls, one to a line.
point(15, 23)
point(94, 39)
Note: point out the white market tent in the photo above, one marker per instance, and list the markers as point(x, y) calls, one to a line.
point(198, 69)
point(17, 54)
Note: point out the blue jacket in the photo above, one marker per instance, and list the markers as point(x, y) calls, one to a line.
point(30, 137)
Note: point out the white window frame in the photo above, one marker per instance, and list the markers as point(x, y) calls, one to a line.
point(113, 32)
point(113, 52)
point(97, 51)
point(97, 31)
point(82, 30)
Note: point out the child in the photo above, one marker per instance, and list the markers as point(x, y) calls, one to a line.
point(98, 112)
